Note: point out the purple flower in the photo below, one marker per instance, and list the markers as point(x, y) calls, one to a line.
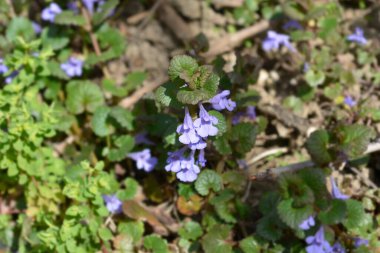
point(204, 125)
point(336, 192)
point(250, 113)
point(308, 223)
point(220, 101)
point(275, 40)
point(3, 68)
point(292, 24)
point(90, 5)
point(73, 7)
point(358, 36)
point(306, 67)
point(49, 13)
point(348, 100)
point(201, 158)
point(189, 135)
point(73, 67)
point(189, 170)
point(143, 160)
point(36, 27)
point(338, 248)
point(359, 242)
point(141, 138)
point(113, 204)
point(317, 243)
point(174, 160)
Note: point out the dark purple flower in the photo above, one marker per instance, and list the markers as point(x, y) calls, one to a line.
point(336, 192)
point(250, 113)
point(348, 100)
point(308, 223)
point(338, 248)
point(201, 158)
point(275, 40)
point(49, 13)
point(73, 7)
point(220, 101)
point(73, 67)
point(143, 160)
point(292, 24)
point(113, 204)
point(189, 135)
point(359, 242)
point(357, 36)
point(189, 170)
point(141, 138)
point(317, 243)
point(204, 125)
point(36, 27)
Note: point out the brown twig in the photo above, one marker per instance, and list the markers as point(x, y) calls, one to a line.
point(95, 44)
point(372, 147)
point(11, 9)
point(150, 14)
point(135, 97)
point(230, 41)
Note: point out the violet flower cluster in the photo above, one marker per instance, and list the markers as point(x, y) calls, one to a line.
point(274, 40)
point(72, 67)
point(194, 134)
point(49, 13)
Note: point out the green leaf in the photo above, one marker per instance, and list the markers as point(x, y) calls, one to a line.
point(356, 216)
point(130, 191)
point(222, 145)
point(134, 229)
point(166, 94)
point(20, 27)
point(105, 234)
point(354, 139)
point(54, 38)
point(156, 244)
point(200, 76)
point(268, 201)
point(99, 122)
point(269, 227)
point(315, 78)
point(56, 71)
point(134, 80)
point(191, 97)
point(249, 245)
point(216, 240)
point(221, 205)
point(292, 216)
point(182, 66)
point(111, 87)
point(69, 18)
point(235, 179)
point(124, 144)
point(83, 96)
point(316, 180)
point(317, 147)
point(334, 214)
point(191, 231)
point(244, 136)
point(207, 180)
point(105, 11)
point(122, 116)
point(222, 124)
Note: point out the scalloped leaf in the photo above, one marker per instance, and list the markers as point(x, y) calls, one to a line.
point(217, 239)
point(54, 38)
point(291, 215)
point(317, 146)
point(222, 145)
point(191, 97)
point(249, 245)
point(356, 216)
point(182, 66)
point(124, 144)
point(69, 18)
point(208, 180)
point(166, 94)
point(156, 244)
point(268, 227)
point(122, 116)
point(191, 231)
point(99, 122)
point(354, 139)
point(106, 11)
point(20, 27)
point(335, 213)
point(56, 71)
point(83, 96)
point(244, 136)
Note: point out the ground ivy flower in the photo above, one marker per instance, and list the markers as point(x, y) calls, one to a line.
point(357, 36)
point(275, 40)
point(317, 243)
point(292, 24)
point(189, 170)
point(308, 223)
point(73, 67)
point(174, 160)
point(141, 138)
point(359, 242)
point(250, 113)
point(306, 67)
point(89, 5)
point(189, 135)
point(36, 27)
point(348, 100)
point(143, 160)
point(201, 158)
point(336, 192)
point(49, 13)
point(3, 68)
point(338, 248)
point(204, 125)
point(113, 204)
point(220, 101)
